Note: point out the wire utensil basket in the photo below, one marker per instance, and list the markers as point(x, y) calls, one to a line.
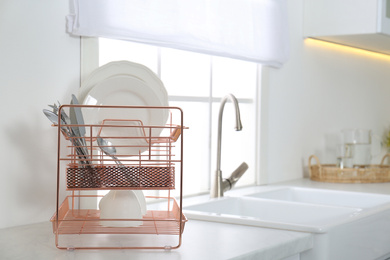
point(147, 157)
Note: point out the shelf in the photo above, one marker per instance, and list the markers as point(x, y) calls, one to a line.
point(87, 221)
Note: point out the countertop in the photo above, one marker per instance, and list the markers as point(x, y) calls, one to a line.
point(201, 239)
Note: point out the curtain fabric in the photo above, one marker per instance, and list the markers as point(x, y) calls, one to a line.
point(252, 30)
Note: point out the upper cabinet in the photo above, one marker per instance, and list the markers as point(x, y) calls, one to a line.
point(363, 24)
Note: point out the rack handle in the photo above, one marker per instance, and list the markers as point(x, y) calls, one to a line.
point(384, 157)
point(318, 164)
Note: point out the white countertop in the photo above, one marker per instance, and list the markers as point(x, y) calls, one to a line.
point(201, 239)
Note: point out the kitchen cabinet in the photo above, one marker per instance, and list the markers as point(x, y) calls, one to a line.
point(363, 24)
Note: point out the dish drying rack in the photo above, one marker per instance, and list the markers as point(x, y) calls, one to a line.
point(152, 161)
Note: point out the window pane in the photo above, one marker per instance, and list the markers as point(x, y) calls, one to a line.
point(115, 50)
point(234, 76)
point(185, 73)
point(191, 79)
point(196, 146)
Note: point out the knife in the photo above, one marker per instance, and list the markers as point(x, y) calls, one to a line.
point(67, 131)
point(79, 115)
point(76, 118)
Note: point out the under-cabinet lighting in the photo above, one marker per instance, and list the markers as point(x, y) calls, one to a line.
point(345, 48)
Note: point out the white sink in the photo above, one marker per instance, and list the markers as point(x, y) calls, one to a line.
point(272, 214)
point(325, 197)
point(345, 225)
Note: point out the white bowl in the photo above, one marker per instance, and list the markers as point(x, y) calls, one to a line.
point(119, 205)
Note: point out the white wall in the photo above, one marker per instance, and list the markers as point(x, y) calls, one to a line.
point(317, 93)
point(39, 64)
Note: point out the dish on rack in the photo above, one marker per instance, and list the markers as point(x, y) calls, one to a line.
point(125, 68)
point(124, 90)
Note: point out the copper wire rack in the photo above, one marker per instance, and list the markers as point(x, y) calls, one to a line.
point(146, 157)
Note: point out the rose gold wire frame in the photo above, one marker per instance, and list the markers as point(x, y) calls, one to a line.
point(69, 220)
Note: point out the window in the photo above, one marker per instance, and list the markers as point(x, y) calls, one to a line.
point(196, 83)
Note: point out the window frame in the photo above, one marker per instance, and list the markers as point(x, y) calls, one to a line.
point(89, 61)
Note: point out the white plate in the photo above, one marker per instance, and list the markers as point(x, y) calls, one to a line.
point(126, 91)
point(127, 68)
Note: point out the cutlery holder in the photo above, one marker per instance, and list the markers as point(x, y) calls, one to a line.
point(146, 157)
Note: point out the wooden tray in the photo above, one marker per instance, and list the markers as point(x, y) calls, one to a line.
point(331, 173)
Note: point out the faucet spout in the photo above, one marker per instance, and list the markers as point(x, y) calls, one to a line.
point(219, 186)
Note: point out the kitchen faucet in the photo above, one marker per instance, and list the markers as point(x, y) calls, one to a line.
point(219, 185)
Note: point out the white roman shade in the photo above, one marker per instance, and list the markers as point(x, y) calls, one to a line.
point(252, 30)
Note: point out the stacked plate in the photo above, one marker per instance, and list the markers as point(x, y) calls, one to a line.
point(123, 83)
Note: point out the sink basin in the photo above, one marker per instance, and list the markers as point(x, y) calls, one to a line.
point(345, 225)
point(325, 197)
point(272, 214)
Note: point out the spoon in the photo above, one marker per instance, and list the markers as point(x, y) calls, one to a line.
point(53, 117)
point(108, 148)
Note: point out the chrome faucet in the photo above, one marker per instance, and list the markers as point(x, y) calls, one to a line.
point(219, 185)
